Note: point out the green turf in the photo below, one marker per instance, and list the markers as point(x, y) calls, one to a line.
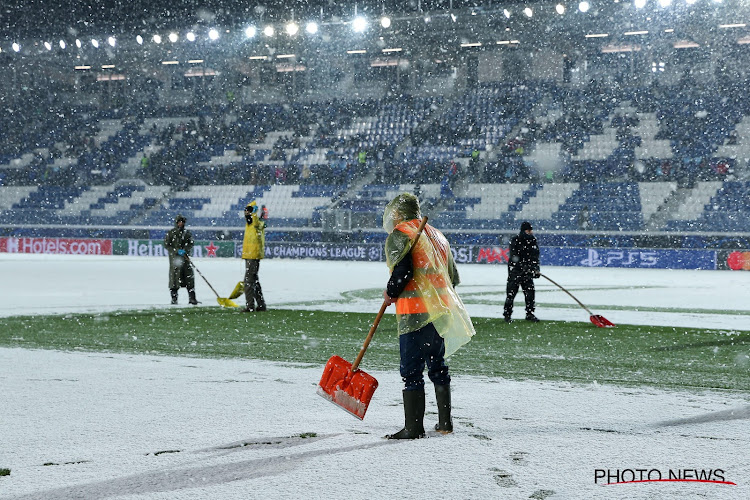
point(550, 350)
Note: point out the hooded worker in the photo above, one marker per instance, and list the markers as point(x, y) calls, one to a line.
point(523, 268)
point(432, 321)
point(179, 245)
point(253, 248)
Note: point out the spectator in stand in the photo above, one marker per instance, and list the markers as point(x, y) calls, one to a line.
point(732, 140)
point(583, 219)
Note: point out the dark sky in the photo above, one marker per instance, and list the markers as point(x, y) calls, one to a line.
point(24, 18)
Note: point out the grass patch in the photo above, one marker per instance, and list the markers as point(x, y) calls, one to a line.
point(550, 350)
point(4, 472)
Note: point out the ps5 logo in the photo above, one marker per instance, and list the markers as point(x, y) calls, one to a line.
point(619, 258)
point(592, 260)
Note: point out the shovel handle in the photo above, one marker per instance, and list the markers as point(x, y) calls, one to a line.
point(374, 327)
point(564, 290)
point(383, 307)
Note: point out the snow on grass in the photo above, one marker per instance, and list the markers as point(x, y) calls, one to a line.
point(156, 427)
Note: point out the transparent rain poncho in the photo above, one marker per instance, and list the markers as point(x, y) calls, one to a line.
point(430, 298)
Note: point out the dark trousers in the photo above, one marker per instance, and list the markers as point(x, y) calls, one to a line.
point(526, 283)
point(252, 289)
point(181, 275)
point(419, 348)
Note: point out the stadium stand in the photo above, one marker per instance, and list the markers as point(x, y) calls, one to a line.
point(482, 159)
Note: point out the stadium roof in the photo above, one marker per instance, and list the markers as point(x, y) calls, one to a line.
point(26, 18)
point(440, 26)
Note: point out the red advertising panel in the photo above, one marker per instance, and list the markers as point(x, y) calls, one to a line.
point(67, 246)
point(739, 261)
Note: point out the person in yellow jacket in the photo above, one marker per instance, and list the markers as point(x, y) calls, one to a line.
point(253, 248)
point(432, 321)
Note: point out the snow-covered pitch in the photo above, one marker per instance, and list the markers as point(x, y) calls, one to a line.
point(148, 427)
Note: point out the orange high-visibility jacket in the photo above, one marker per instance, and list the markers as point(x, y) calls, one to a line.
point(430, 296)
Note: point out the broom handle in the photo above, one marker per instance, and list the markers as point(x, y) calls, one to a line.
point(375, 323)
point(564, 290)
point(201, 275)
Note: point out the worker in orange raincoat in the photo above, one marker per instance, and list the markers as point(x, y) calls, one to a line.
point(432, 320)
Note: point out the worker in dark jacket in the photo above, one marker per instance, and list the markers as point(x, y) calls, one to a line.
point(523, 267)
point(179, 245)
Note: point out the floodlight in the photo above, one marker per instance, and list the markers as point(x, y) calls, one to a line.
point(250, 31)
point(506, 13)
point(427, 19)
point(213, 34)
point(585, 6)
point(528, 12)
point(112, 41)
point(157, 39)
point(560, 8)
point(138, 39)
point(47, 45)
point(78, 43)
point(453, 17)
point(95, 43)
point(639, 4)
point(385, 22)
point(173, 37)
point(190, 36)
point(665, 3)
point(16, 47)
point(291, 28)
point(359, 24)
point(62, 44)
point(311, 27)
point(268, 30)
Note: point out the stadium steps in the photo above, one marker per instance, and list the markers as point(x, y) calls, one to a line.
point(657, 219)
point(155, 207)
point(670, 206)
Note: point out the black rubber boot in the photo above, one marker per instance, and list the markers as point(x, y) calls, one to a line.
point(193, 300)
point(443, 396)
point(413, 416)
point(249, 299)
point(258, 295)
point(173, 293)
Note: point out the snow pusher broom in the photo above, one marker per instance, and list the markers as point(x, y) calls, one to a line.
point(238, 290)
point(596, 319)
point(222, 301)
point(343, 383)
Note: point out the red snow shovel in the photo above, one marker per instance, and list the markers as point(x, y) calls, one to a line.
point(596, 319)
point(342, 383)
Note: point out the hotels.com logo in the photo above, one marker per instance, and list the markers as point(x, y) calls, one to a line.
point(630, 476)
